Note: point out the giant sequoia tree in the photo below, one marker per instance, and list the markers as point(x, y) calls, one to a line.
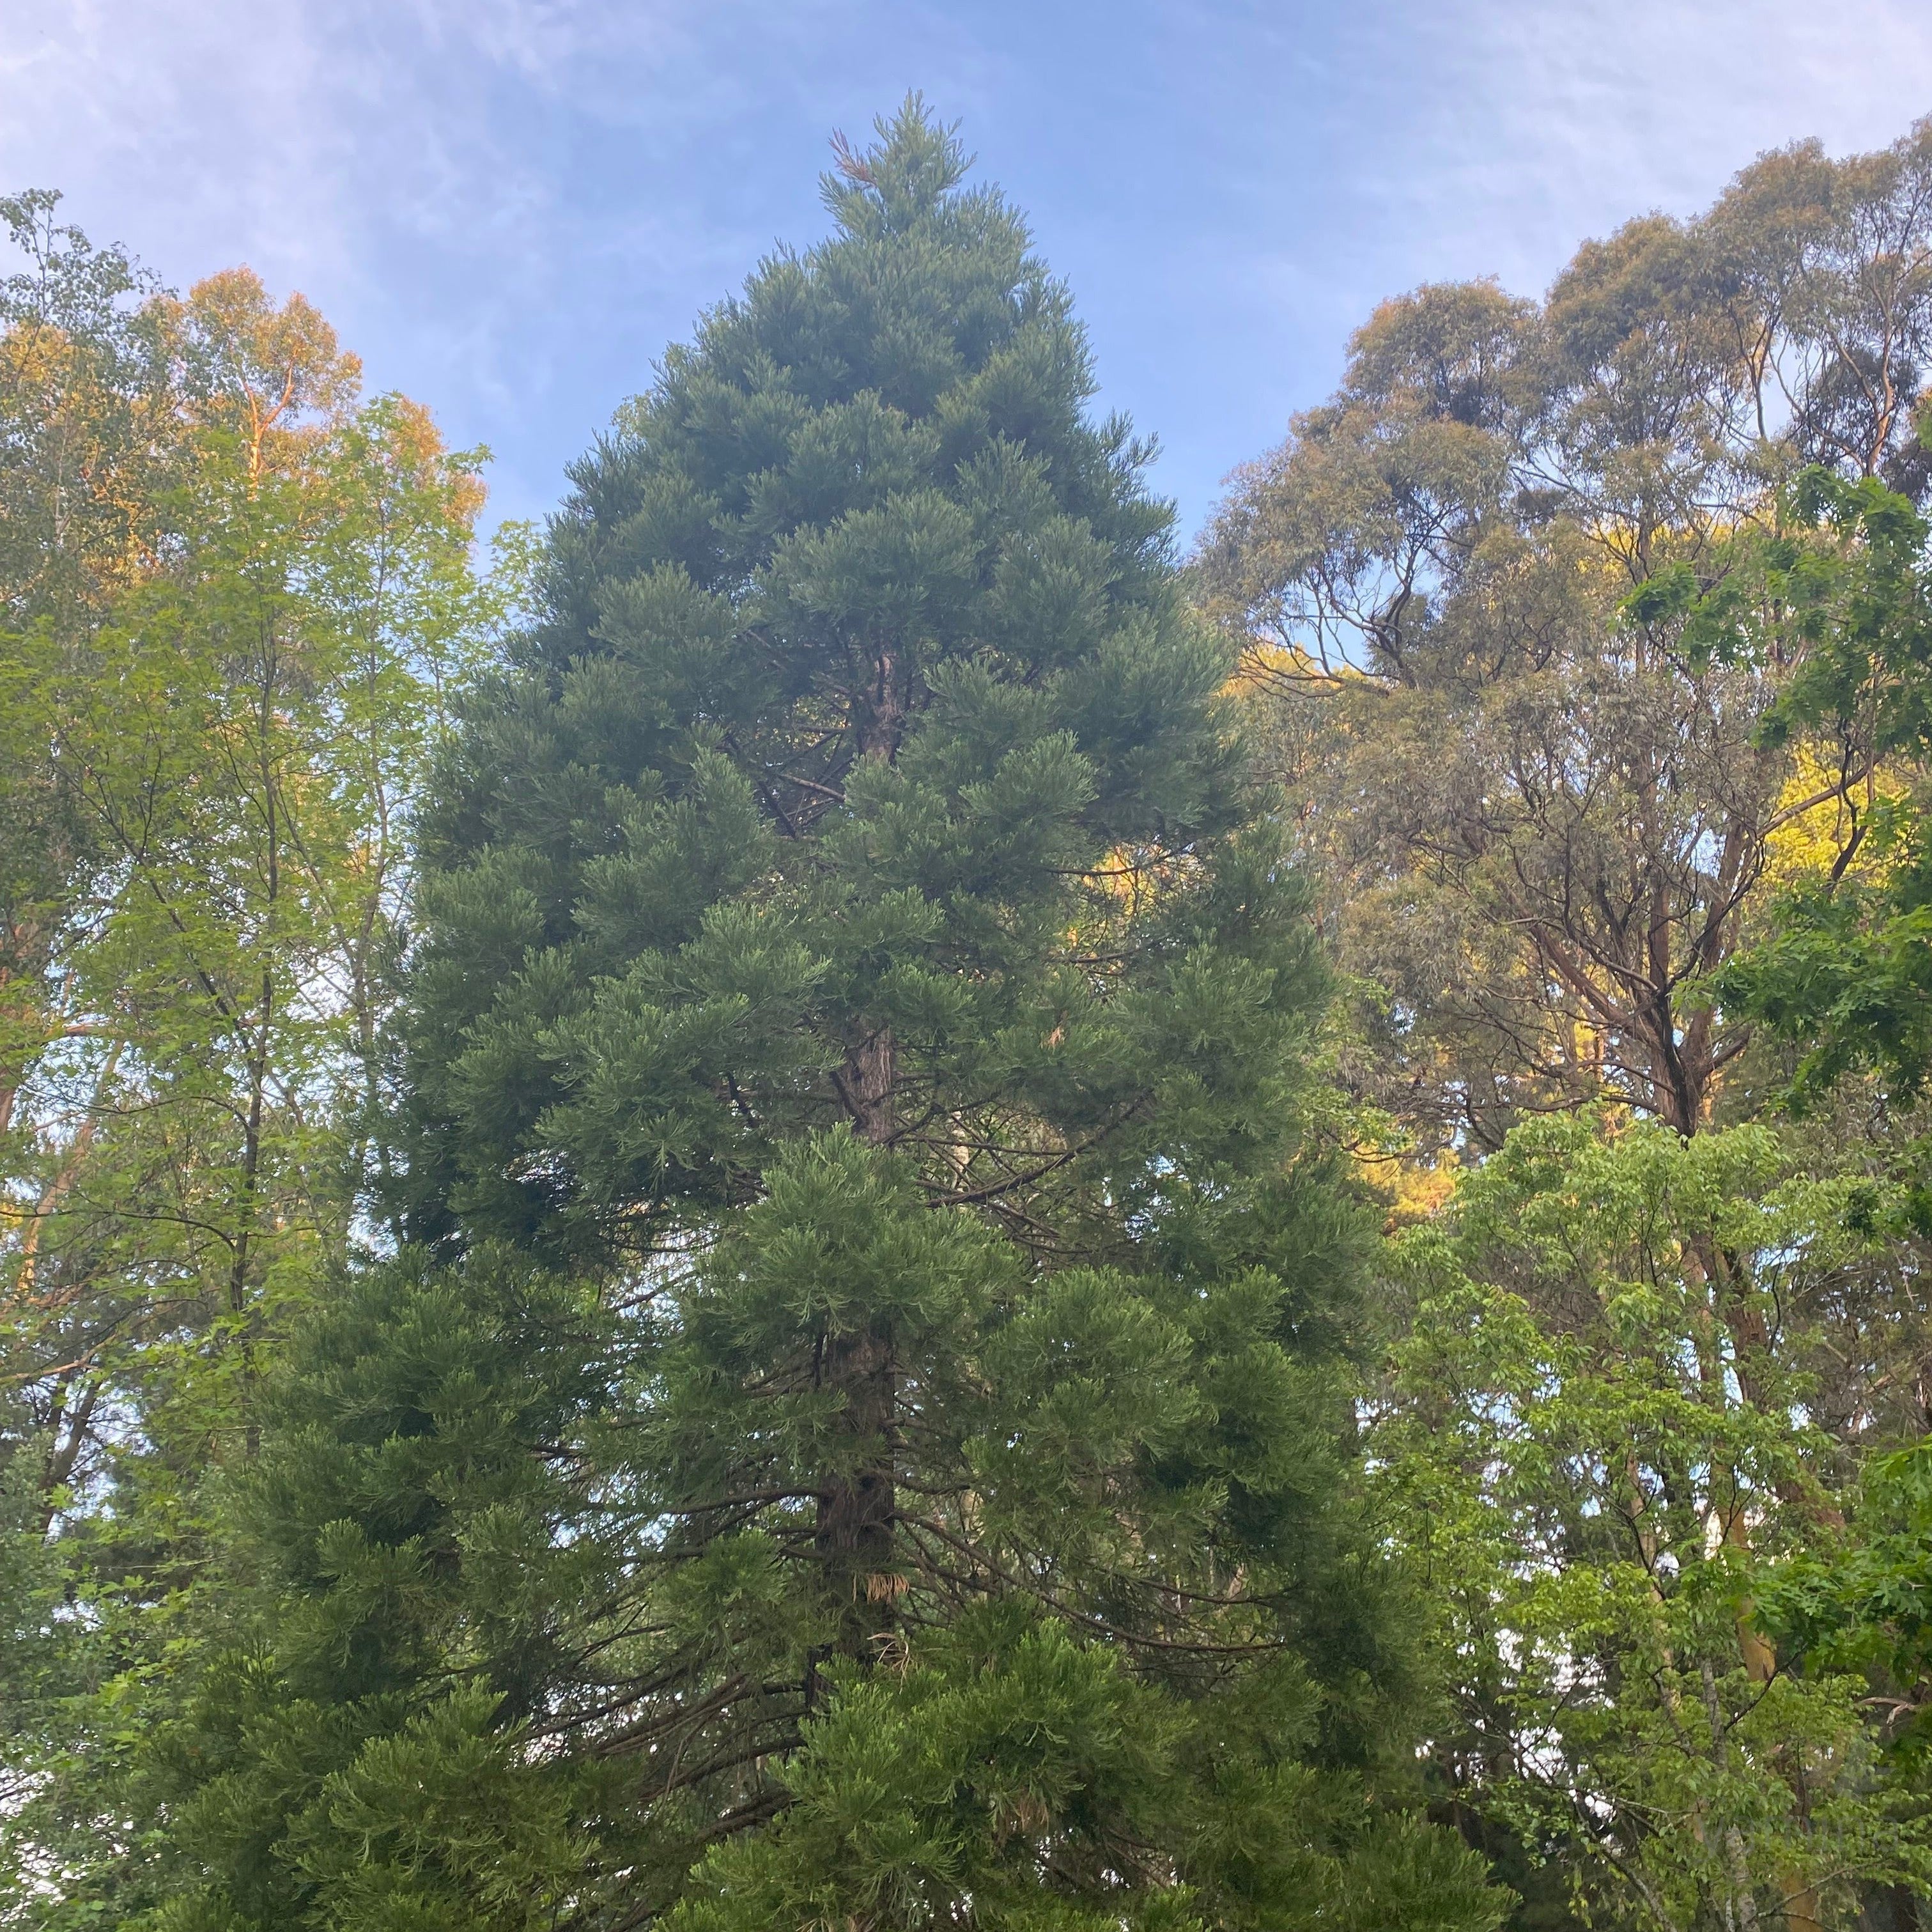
point(862, 1436)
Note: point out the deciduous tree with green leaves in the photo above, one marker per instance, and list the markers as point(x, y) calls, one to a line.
point(1616, 1410)
point(227, 643)
point(1844, 586)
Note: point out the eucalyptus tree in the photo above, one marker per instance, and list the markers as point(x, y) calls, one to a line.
point(1547, 817)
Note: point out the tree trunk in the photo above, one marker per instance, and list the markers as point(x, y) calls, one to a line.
point(857, 1505)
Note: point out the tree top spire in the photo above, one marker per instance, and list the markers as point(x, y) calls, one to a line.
point(904, 177)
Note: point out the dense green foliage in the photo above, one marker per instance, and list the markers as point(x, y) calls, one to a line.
point(713, 1262)
point(236, 596)
point(1597, 1421)
point(1845, 976)
point(863, 1432)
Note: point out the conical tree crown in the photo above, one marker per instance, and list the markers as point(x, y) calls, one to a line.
point(873, 1448)
point(865, 726)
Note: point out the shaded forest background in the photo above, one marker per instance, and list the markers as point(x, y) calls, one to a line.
point(840, 1197)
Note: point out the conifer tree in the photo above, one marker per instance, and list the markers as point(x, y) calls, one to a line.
point(862, 1434)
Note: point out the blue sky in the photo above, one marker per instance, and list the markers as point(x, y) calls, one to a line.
point(507, 207)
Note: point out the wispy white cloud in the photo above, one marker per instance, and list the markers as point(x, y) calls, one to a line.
point(1554, 116)
point(509, 206)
